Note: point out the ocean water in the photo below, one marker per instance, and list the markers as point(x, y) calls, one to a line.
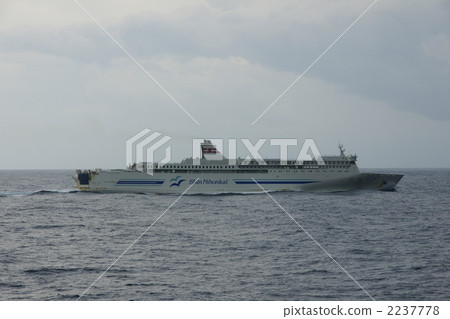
point(56, 242)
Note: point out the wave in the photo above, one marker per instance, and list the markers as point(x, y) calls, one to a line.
point(11, 285)
point(230, 193)
point(39, 192)
point(57, 226)
point(49, 270)
point(224, 193)
point(55, 191)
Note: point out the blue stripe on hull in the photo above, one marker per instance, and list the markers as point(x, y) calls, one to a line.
point(274, 182)
point(140, 182)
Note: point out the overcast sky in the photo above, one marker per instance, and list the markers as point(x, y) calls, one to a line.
point(70, 97)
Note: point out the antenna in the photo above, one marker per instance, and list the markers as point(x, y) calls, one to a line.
point(341, 148)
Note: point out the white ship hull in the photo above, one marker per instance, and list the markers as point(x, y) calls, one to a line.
point(216, 183)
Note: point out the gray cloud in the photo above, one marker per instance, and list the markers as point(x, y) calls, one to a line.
point(69, 87)
point(382, 57)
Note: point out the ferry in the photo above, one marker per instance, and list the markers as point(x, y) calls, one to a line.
point(209, 175)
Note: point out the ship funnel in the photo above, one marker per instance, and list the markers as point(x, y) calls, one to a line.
point(210, 151)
